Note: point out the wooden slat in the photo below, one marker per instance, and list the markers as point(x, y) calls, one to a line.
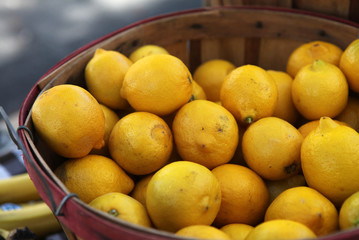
point(231, 49)
point(274, 53)
point(339, 8)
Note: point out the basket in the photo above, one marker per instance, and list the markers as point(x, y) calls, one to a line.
point(264, 36)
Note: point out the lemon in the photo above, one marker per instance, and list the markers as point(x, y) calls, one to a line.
point(205, 133)
point(330, 160)
point(158, 84)
point(320, 89)
point(202, 232)
point(182, 194)
point(281, 229)
point(122, 206)
point(146, 50)
point(271, 147)
point(249, 93)
point(307, 206)
point(349, 63)
point(285, 108)
point(210, 76)
point(141, 143)
point(244, 195)
point(349, 212)
point(111, 118)
point(307, 53)
point(92, 176)
point(70, 120)
point(237, 231)
point(104, 75)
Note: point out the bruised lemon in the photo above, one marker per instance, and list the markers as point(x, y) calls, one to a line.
point(271, 147)
point(205, 133)
point(249, 93)
point(70, 120)
point(158, 84)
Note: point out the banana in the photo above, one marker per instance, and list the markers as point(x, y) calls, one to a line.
point(17, 189)
point(4, 233)
point(37, 216)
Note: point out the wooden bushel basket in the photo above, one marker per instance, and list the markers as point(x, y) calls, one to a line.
point(264, 36)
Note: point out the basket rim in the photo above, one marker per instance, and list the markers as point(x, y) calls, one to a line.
point(32, 95)
point(172, 14)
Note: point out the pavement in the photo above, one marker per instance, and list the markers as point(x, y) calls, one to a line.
point(36, 34)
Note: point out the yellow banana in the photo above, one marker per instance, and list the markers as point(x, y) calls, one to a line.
point(4, 233)
point(38, 217)
point(17, 189)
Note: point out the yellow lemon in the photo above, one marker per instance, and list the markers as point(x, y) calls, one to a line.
point(281, 229)
point(349, 63)
point(146, 50)
point(140, 189)
point(244, 195)
point(349, 212)
point(92, 176)
point(205, 133)
point(70, 120)
point(307, 53)
point(271, 147)
point(104, 75)
point(277, 187)
point(202, 232)
point(320, 89)
point(330, 160)
point(111, 118)
point(285, 108)
point(141, 143)
point(249, 93)
point(350, 114)
point(307, 127)
point(237, 231)
point(307, 206)
point(159, 84)
point(182, 194)
point(122, 206)
point(210, 76)
point(198, 92)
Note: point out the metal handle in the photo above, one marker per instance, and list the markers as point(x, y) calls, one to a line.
point(16, 139)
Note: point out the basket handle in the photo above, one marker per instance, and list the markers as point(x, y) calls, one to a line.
point(16, 139)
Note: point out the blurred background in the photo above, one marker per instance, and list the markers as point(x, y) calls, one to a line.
point(36, 34)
